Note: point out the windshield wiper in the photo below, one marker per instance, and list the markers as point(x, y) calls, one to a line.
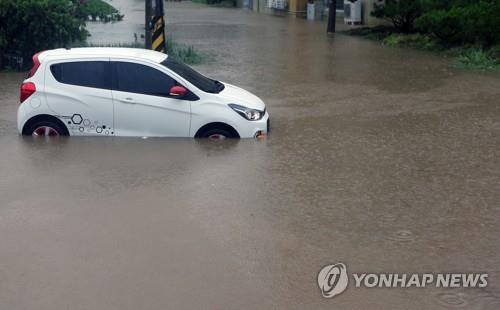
point(219, 85)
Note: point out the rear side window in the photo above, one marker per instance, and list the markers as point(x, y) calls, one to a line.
point(95, 74)
point(140, 79)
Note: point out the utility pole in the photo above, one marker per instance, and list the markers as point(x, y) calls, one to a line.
point(147, 24)
point(332, 14)
point(155, 26)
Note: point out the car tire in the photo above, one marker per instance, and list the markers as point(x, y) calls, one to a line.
point(216, 134)
point(47, 129)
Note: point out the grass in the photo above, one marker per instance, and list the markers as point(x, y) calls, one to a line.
point(186, 54)
point(388, 37)
point(477, 59)
point(416, 40)
point(378, 33)
point(463, 57)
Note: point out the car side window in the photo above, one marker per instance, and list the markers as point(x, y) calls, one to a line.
point(95, 74)
point(141, 79)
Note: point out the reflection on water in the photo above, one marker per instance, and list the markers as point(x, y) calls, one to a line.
point(384, 159)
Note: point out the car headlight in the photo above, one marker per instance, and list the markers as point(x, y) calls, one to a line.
point(247, 113)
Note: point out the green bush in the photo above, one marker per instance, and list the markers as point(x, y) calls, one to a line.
point(495, 52)
point(28, 26)
point(444, 24)
point(452, 21)
point(402, 13)
point(464, 22)
point(482, 23)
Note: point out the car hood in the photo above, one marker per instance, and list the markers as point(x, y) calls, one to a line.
point(236, 95)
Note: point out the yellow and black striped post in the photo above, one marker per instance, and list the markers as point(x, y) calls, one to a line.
point(158, 36)
point(155, 26)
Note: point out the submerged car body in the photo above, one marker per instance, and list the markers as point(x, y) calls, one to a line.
point(132, 93)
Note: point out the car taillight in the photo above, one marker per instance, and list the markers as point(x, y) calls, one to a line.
point(27, 89)
point(36, 65)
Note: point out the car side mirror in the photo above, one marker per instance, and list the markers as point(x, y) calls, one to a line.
point(178, 91)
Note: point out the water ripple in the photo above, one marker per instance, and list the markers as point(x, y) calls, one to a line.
point(402, 236)
point(452, 300)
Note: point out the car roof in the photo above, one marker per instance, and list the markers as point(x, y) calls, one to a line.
point(97, 52)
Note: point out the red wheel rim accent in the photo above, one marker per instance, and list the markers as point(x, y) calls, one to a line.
point(45, 131)
point(217, 136)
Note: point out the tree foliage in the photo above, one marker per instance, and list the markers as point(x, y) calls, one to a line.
point(452, 21)
point(464, 21)
point(402, 13)
point(28, 26)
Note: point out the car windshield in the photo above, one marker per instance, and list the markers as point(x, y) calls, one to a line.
point(194, 77)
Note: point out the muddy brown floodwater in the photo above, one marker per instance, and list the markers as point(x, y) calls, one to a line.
point(384, 159)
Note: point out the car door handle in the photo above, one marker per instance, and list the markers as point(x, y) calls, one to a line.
point(127, 100)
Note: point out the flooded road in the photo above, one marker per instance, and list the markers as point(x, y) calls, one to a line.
point(120, 32)
point(383, 159)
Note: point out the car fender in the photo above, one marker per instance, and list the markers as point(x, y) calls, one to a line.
point(203, 113)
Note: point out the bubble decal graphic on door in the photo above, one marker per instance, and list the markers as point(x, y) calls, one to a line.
point(80, 125)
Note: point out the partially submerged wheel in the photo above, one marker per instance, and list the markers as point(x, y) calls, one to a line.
point(47, 129)
point(216, 134)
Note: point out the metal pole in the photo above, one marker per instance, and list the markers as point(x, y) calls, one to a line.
point(160, 11)
point(332, 14)
point(147, 24)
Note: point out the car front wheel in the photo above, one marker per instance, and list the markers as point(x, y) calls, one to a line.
point(216, 134)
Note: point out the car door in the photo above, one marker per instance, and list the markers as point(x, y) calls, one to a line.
point(143, 105)
point(79, 93)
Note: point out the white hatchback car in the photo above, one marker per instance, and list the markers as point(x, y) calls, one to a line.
point(132, 93)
